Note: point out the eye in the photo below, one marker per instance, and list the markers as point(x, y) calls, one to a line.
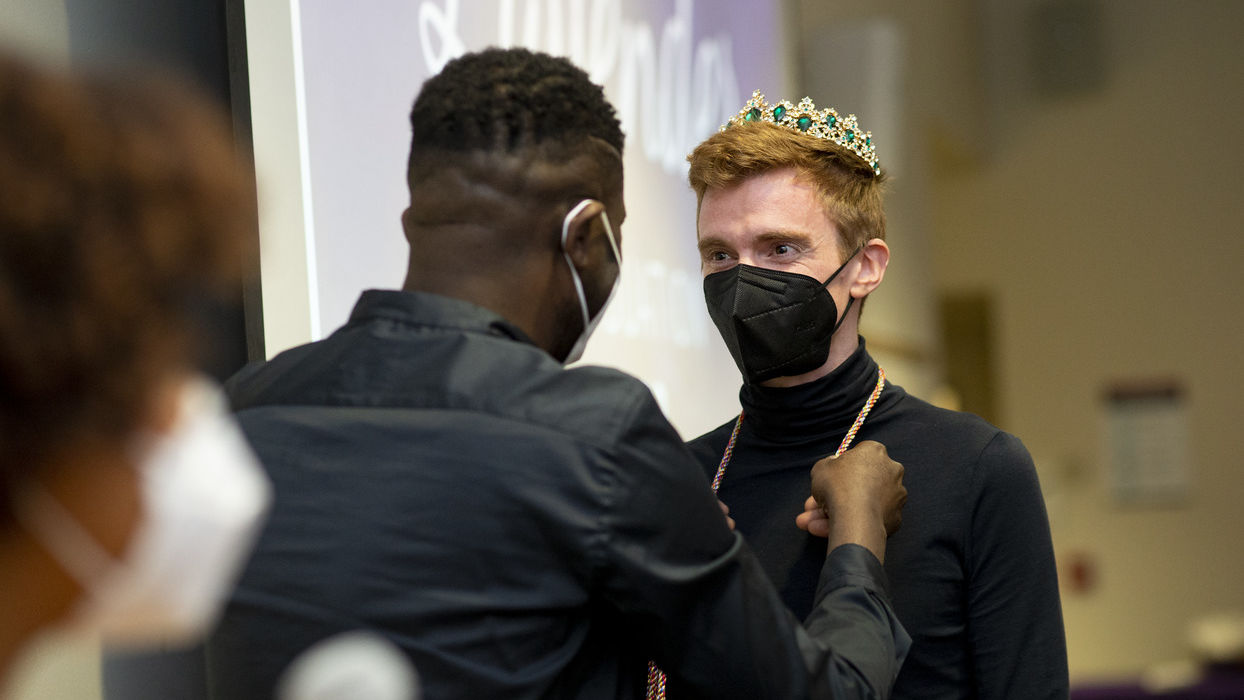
point(717, 256)
point(787, 249)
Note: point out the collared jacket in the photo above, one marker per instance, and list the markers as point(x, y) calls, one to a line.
point(519, 529)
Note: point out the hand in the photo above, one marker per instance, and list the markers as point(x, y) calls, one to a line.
point(813, 519)
point(860, 495)
point(725, 509)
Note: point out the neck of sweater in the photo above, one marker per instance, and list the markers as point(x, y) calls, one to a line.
point(811, 411)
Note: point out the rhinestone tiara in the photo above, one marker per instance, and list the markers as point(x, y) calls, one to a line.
point(806, 118)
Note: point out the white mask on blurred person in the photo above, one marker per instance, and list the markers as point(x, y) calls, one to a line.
point(204, 497)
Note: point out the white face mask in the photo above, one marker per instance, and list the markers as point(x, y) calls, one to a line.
point(589, 323)
point(204, 497)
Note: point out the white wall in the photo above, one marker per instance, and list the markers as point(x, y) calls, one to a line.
point(1107, 228)
point(874, 59)
point(56, 667)
point(38, 29)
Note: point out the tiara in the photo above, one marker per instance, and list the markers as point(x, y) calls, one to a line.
point(805, 118)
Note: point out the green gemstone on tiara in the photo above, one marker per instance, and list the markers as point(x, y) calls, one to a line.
point(804, 123)
point(779, 112)
point(850, 135)
point(868, 141)
point(831, 120)
point(753, 114)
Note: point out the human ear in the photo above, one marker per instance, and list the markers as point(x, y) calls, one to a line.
point(408, 215)
point(579, 230)
point(873, 260)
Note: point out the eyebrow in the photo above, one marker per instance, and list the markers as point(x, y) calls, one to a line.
point(801, 237)
point(711, 242)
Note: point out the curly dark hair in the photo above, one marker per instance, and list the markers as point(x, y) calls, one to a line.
point(505, 100)
point(122, 206)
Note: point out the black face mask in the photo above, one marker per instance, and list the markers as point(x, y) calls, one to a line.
point(775, 324)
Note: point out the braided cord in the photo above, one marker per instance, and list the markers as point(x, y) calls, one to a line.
point(656, 677)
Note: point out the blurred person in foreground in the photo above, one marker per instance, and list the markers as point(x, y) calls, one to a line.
point(791, 234)
point(128, 498)
point(519, 529)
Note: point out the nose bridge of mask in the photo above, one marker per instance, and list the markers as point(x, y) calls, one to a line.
point(778, 291)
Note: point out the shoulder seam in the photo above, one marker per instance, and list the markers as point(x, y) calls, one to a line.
point(973, 481)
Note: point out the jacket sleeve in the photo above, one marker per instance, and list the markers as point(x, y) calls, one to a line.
point(702, 604)
point(1014, 614)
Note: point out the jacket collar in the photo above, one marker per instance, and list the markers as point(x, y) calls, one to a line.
point(432, 310)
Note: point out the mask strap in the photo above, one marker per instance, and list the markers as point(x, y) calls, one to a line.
point(613, 242)
point(850, 299)
point(62, 536)
point(843, 317)
point(841, 267)
point(574, 273)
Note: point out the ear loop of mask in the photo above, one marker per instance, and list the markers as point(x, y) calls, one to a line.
point(578, 284)
point(617, 254)
point(843, 266)
point(63, 537)
point(850, 299)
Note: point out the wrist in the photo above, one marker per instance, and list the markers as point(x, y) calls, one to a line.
point(858, 527)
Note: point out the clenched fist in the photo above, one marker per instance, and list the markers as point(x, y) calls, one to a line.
point(857, 497)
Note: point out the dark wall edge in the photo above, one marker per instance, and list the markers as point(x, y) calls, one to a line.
point(240, 106)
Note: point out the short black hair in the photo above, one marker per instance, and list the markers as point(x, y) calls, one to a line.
point(505, 100)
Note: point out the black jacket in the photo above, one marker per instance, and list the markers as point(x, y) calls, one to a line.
point(519, 529)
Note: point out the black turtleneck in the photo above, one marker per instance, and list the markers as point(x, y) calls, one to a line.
point(971, 570)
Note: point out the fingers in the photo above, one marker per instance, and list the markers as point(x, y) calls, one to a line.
point(872, 446)
point(814, 521)
point(894, 519)
point(725, 509)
